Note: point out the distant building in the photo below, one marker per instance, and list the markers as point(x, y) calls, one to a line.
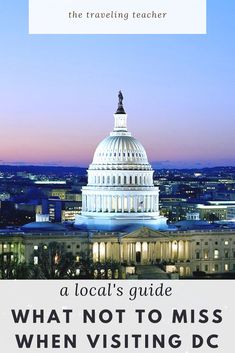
point(221, 210)
point(66, 195)
point(59, 210)
point(192, 216)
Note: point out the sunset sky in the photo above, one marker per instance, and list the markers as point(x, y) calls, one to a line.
point(58, 93)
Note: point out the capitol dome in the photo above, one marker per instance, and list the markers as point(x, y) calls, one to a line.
point(120, 190)
point(120, 150)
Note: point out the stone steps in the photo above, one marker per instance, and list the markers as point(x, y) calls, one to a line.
point(150, 272)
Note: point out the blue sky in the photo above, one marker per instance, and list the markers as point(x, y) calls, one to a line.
point(59, 93)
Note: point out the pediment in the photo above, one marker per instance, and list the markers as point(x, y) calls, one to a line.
point(144, 233)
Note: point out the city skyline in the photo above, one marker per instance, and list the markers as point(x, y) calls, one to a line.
point(178, 93)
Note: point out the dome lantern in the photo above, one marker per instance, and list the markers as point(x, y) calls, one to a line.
point(120, 117)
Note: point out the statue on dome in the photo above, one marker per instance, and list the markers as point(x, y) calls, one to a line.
point(120, 96)
point(120, 109)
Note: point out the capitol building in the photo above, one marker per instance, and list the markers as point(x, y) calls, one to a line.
point(120, 193)
point(120, 222)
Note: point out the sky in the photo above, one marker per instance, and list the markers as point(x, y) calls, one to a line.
point(59, 92)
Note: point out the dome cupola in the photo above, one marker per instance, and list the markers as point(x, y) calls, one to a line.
point(120, 149)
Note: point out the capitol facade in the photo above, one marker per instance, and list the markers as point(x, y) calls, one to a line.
point(120, 227)
point(120, 193)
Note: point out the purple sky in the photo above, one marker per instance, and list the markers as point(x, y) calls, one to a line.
point(59, 93)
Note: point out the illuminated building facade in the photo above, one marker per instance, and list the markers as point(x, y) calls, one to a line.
point(120, 190)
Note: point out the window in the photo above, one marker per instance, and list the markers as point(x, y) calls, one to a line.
point(216, 242)
point(35, 247)
point(35, 260)
point(226, 253)
point(206, 242)
point(78, 246)
point(226, 267)
point(216, 254)
point(198, 243)
point(197, 255)
point(216, 267)
point(226, 242)
point(206, 254)
point(206, 268)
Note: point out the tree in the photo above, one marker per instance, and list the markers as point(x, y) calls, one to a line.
point(52, 261)
point(7, 266)
point(11, 268)
point(212, 217)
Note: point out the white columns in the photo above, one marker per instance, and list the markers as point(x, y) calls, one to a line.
point(135, 203)
point(151, 200)
point(128, 203)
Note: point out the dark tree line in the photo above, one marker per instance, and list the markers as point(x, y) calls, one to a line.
point(52, 261)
